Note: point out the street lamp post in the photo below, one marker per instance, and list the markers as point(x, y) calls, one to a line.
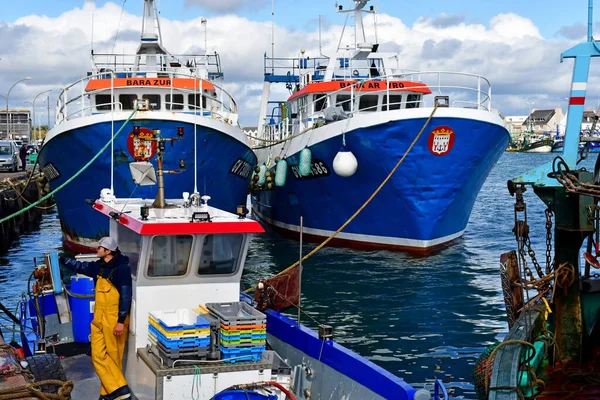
point(7, 114)
point(34, 99)
point(32, 130)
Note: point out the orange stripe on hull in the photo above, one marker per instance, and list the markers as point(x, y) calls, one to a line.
point(367, 86)
point(177, 83)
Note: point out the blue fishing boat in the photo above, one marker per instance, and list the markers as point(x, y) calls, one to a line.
point(349, 120)
point(176, 92)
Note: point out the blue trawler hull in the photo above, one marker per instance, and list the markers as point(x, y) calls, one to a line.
point(224, 165)
point(425, 204)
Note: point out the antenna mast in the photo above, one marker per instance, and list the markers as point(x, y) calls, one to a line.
point(273, 37)
point(320, 43)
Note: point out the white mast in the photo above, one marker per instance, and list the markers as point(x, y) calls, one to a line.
point(151, 41)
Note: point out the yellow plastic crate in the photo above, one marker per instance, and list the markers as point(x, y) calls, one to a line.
point(183, 332)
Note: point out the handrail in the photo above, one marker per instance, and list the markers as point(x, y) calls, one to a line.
point(477, 97)
point(226, 107)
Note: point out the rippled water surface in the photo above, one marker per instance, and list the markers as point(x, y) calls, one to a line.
point(418, 317)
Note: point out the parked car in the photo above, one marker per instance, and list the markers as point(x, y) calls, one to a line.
point(9, 156)
point(19, 143)
point(32, 149)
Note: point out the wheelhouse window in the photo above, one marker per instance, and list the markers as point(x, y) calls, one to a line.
point(344, 101)
point(413, 100)
point(103, 102)
point(154, 100)
point(127, 100)
point(176, 104)
point(220, 254)
point(169, 255)
point(368, 102)
point(320, 102)
point(395, 102)
point(194, 101)
point(130, 245)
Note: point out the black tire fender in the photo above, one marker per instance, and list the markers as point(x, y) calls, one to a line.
point(46, 367)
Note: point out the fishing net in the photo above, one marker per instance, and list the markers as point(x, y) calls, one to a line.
point(482, 373)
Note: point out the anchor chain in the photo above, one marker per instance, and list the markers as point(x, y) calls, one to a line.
point(525, 249)
point(549, 261)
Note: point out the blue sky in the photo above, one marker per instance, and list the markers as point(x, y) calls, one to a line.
point(298, 14)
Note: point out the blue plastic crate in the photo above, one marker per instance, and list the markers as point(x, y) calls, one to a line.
point(233, 355)
point(179, 343)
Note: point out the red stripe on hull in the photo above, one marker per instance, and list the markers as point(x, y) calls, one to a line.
point(359, 245)
point(72, 247)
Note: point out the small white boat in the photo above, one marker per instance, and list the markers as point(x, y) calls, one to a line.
point(187, 260)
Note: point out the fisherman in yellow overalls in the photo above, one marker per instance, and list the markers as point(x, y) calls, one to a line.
point(111, 315)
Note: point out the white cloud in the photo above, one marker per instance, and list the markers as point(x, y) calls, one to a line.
point(511, 53)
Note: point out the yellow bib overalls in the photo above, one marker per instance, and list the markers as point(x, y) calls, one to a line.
point(107, 349)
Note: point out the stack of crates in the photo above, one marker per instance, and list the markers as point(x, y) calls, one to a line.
point(243, 331)
point(179, 334)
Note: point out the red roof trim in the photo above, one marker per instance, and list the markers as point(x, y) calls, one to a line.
point(146, 228)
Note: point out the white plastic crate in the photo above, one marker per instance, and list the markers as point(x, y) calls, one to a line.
point(179, 319)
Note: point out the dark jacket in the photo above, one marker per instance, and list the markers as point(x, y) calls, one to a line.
point(23, 151)
point(118, 272)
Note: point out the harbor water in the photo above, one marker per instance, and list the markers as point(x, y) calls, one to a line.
point(418, 317)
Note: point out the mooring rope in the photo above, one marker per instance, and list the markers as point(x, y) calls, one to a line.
point(20, 195)
point(345, 224)
point(86, 166)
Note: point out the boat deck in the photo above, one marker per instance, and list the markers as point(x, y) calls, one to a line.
point(80, 370)
point(572, 381)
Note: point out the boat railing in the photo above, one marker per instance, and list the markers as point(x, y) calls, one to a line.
point(74, 101)
point(463, 88)
point(471, 92)
point(125, 65)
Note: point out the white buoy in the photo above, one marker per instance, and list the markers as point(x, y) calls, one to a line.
point(344, 163)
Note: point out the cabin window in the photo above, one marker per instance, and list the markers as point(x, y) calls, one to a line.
point(368, 102)
point(395, 102)
point(130, 244)
point(320, 101)
point(344, 101)
point(177, 103)
point(169, 255)
point(127, 100)
point(220, 254)
point(194, 101)
point(154, 100)
point(103, 102)
point(412, 101)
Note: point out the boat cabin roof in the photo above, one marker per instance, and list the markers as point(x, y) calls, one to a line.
point(367, 86)
point(142, 81)
point(177, 219)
